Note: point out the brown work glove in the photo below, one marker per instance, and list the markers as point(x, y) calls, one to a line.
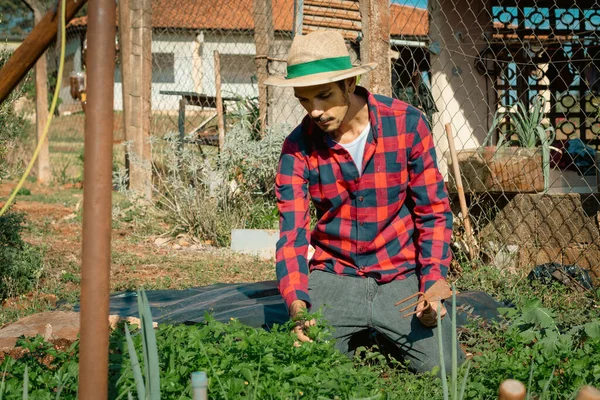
point(429, 317)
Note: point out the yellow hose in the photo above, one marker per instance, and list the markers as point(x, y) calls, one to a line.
point(63, 36)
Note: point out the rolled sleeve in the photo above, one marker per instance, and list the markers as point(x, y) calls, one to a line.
point(433, 218)
point(291, 188)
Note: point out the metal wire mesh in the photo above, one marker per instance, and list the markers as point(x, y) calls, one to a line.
point(465, 64)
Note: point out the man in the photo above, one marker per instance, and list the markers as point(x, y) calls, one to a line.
point(368, 164)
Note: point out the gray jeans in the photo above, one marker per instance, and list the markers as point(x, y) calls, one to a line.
point(352, 306)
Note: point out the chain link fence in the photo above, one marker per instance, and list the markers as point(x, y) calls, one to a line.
point(516, 86)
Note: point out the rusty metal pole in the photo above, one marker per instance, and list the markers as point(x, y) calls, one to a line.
point(95, 271)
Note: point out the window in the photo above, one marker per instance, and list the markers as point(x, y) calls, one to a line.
point(238, 68)
point(163, 68)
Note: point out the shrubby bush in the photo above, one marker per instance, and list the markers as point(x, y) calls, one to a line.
point(12, 125)
point(207, 197)
point(20, 263)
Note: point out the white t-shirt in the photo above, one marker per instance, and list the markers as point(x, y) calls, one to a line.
point(356, 148)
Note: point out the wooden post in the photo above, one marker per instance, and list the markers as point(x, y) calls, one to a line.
point(471, 241)
point(135, 28)
point(43, 172)
point(298, 16)
point(263, 37)
point(219, 100)
point(375, 45)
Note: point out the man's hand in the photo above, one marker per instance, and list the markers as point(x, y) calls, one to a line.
point(429, 319)
point(296, 308)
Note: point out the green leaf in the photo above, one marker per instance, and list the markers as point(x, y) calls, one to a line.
point(529, 335)
point(151, 365)
point(26, 383)
point(135, 365)
point(539, 316)
point(592, 329)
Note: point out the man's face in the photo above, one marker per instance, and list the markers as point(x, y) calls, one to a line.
point(326, 104)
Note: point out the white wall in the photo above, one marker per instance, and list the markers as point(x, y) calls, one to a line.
point(183, 46)
point(459, 91)
point(225, 44)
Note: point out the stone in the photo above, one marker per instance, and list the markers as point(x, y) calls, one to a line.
point(515, 224)
point(587, 257)
point(563, 221)
point(532, 256)
point(162, 241)
point(259, 242)
point(50, 324)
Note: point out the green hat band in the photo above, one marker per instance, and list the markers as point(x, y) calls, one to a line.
point(318, 66)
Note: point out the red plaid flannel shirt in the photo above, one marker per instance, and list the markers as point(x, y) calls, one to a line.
point(389, 222)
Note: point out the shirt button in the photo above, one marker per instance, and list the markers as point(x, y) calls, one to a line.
point(361, 223)
point(361, 198)
point(347, 156)
point(355, 180)
point(361, 249)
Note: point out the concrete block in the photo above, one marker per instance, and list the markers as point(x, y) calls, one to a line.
point(259, 242)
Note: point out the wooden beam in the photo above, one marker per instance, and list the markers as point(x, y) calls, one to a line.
point(353, 15)
point(339, 4)
point(375, 45)
point(33, 47)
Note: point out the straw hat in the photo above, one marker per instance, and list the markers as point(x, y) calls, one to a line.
point(317, 58)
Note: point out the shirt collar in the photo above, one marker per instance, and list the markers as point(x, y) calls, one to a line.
point(372, 105)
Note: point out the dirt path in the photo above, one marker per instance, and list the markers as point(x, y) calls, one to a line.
point(54, 222)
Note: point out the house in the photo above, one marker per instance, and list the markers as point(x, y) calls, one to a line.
point(186, 34)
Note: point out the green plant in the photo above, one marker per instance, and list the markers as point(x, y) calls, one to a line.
point(528, 129)
point(20, 263)
point(148, 385)
point(13, 125)
point(209, 197)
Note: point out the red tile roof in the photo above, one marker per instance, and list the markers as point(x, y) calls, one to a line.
point(237, 15)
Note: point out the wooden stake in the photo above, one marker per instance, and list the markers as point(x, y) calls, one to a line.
point(472, 242)
point(135, 22)
point(588, 393)
point(43, 174)
point(512, 390)
point(263, 37)
point(219, 100)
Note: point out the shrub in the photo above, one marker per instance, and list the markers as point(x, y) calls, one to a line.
point(208, 198)
point(13, 125)
point(20, 263)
